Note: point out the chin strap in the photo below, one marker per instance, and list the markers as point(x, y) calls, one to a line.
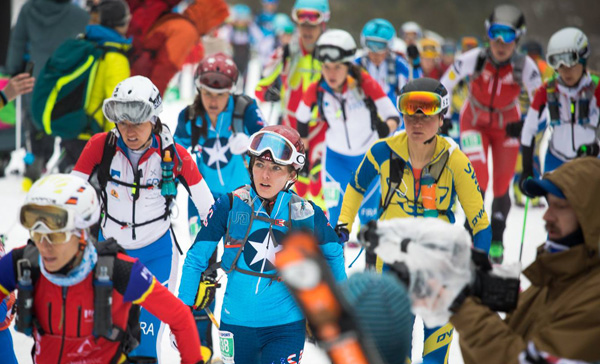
point(429, 140)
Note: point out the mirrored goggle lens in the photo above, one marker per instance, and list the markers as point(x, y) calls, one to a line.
point(376, 45)
point(310, 16)
point(569, 59)
point(281, 151)
point(52, 238)
point(504, 32)
point(133, 111)
point(428, 103)
point(331, 54)
point(54, 218)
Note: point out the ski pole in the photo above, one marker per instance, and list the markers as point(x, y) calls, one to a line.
point(18, 122)
point(211, 316)
point(524, 225)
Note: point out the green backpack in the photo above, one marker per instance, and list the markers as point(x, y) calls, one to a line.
point(62, 91)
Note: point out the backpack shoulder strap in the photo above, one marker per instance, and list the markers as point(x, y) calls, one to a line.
point(110, 146)
point(436, 169)
point(396, 173)
point(552, 100)
point(320, 95)
point(518, 63)
point(392, 73)
point(191, 118)
point(27, 273)
point(481, 57)
point(241, 103)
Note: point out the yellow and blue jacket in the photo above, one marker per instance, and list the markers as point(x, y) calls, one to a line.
point(457, 179)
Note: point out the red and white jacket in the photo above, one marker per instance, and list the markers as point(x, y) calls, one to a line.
point(567, 136)
point(150, 203)
point(349, 131)
point(494, 92)
point(65, 315)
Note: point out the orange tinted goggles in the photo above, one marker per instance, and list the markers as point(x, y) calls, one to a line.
point(428, 103)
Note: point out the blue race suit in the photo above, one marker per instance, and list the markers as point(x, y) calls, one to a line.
point(255, 302)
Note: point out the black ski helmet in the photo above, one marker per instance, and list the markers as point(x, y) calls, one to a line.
point(426, 84)
point(507, 15)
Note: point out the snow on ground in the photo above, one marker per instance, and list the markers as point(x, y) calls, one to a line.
point(12, 196)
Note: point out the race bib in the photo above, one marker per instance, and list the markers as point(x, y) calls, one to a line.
point(226, 344)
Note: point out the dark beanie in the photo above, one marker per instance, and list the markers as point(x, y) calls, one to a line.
point(382, 308)
point(113, 13)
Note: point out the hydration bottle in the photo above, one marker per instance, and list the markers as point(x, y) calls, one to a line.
point(168, 188)
point(428, 187)
point(103, 288)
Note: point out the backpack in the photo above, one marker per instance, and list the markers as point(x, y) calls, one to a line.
point(28, 272)
point(62, 90)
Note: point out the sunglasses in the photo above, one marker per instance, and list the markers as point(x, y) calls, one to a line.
point(53, 238)
point(428, 103)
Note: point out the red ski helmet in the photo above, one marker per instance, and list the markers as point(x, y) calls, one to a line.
point(217, 73)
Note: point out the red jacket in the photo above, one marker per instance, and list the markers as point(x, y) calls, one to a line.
point(163, 50)
point(65, 315)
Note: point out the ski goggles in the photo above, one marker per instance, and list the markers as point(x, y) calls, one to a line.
point(505, 32)
point(331, 53)
point(429, 103)
point(134, 111)
point(308, 16)
point(282, 151)
point(567, 59)
point(46, 219)
point(376, 45)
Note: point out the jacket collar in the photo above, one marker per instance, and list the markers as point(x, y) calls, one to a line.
point(558, 268)
point(399, 144)
point(107, 37)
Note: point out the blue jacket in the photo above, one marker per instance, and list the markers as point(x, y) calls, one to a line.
point(252, 298)
point(222, 170)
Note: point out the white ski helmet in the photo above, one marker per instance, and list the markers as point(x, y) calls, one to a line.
point(568, 46)
point(135, 99)
point(412, 27)
point(75, 199)
point(335, 45)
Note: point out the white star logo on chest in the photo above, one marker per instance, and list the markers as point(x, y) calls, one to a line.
point(265, 250)
point(216, 153)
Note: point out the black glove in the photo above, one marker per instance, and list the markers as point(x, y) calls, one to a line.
point(591, 150)
point(446, 126)
point(342, 232)
point(514, 129)
point(206, 292)
point(273, 93)
point(413, 54)
point(383, 130)
point(527, 157)
point(496, 292)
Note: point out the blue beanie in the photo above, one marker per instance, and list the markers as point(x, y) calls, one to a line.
point(381, 306)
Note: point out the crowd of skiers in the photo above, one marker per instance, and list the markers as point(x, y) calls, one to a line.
point(388, 128)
